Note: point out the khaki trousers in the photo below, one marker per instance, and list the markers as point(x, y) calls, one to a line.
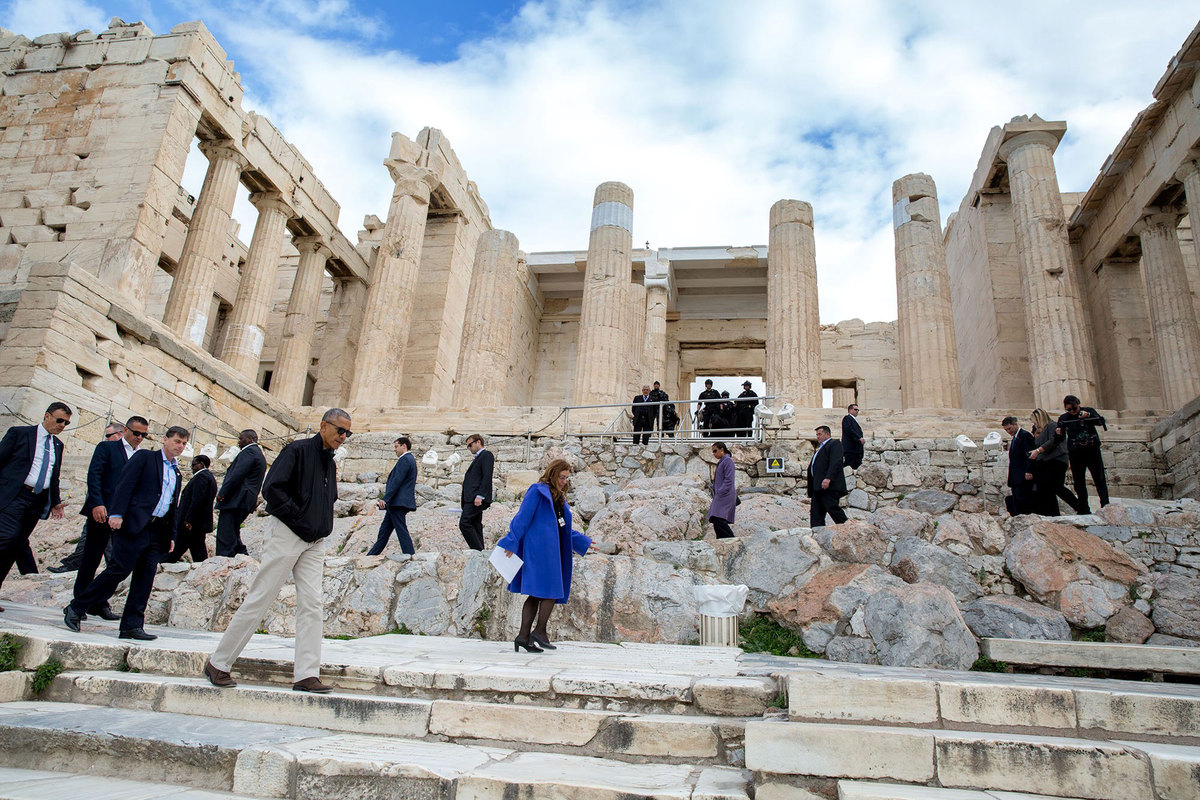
point(286, 554)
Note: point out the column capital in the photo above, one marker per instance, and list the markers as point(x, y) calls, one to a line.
point(1187, 169)
point(1157, 218)
point(412, 180)
point(785, 211)
point(271, 200)
point(223, 148)
point(312, 244)
point(1028, 139)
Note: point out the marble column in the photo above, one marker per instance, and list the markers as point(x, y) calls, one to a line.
point(385, 325)
point(636, 349)
point(245, 333)
point(204, 249)
point(1172, 315)
point(600, 375)
point(1189, 176)
point(843, 396)
point(1060, 354)
point(793, 372)
point(339, 343)
point(925, 327)
point(300, 324)
point(486, 356)
point(654, 357)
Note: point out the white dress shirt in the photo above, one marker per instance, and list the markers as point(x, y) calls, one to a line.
point(40, 452)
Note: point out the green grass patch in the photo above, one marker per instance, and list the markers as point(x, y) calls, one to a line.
point(985, 664)
point(1094, 635)
point(780, 700)
point(44, 675)
point(9, 647)
point(341, 637)
point(761, 634)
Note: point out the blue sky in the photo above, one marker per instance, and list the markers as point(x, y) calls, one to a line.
point(710, 110)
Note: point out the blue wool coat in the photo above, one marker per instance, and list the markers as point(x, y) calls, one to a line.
point(533, 536)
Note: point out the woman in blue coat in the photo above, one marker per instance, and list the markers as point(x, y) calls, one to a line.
point(540, 534)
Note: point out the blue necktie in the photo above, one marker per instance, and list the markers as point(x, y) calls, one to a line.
point(44, 473)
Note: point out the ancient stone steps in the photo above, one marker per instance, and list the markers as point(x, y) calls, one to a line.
point(1060, 706)
point(631, 737)
point(789, 753)
point(29, 784)
point(867, 790)
point(273, 760)
point(1094, 655)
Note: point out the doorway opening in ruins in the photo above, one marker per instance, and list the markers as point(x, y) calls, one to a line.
point(839, 392)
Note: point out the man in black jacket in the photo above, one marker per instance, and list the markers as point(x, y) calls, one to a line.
point(826, 480)
point(300, 491)
point(669, 416)
point(113, 432)
point(142, 517)
point(1020, 468)
point(705, 412)
point(238, 496)
point(476, 492)
point(30, 461)
point(644, 415)
point(104, 472)
point(195, 513)
point(1078, 426)
point(399, 498)
point(746, 402)
point(853, 441)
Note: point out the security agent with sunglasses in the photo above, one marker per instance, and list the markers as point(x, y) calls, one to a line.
point(108, 462)
point(30, 460)
point(300, 491)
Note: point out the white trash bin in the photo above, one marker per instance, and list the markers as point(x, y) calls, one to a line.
point(719, 609)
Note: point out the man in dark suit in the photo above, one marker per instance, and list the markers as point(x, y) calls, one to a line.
point(476, 492)
point(30, 461)
point(1020, 468)
point(399, 498)
point(668, 415)
point(746, 402)
point(195, 513)
point(238, 496)
point(826, 480)
point(853, 442)
point(104, 472)
point(705, 412)
point(112, 433)
point(143, 517)
point(643, 416)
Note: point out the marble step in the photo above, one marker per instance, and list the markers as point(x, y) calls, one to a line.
point(634, 737)
point(1077, 707)
point(30, 784)
point(866, 790)
point(273, 760)
point(780, 752)
point(1094, 655)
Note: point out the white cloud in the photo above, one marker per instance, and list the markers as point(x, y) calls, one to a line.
point(34, 18)
point(711, 111)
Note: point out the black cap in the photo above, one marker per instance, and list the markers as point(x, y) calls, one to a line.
point(746, 383)
point(708, 381)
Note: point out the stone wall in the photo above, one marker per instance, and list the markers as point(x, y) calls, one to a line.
point(1178, 438)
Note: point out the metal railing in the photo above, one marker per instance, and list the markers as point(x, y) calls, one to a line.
point(689, 427)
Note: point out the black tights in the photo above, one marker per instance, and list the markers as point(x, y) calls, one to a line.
point(539, 607)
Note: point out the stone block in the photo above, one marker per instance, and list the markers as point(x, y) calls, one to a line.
point(630, 686)
point(1163, 712)
point(998, 705)
point(722, 783)
point(862, 790)
point(515, 723)
point(1176, 769)
point(14, 686)
point(1093, 655)
point(842, 695)
point(72, 655)
point(733, 696)
point(840, 751)
point(660, 735)
point(549, 776)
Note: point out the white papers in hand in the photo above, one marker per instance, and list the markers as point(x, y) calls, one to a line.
point(507, 566)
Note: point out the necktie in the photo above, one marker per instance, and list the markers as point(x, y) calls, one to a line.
point(44, 473)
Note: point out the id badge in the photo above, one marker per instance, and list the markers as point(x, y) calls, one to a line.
point(561, 522)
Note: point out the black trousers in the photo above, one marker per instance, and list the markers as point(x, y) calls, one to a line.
point(94, 545)
point(136, 554)
point(1083, 461)
point(642, 427)
point(229, 532)
point(471, 525)
point(1021, 500)
point(852, 458)
point(721, 528)
point(1048, 487)
point(187, 542)
point(823, 503)
point(396, 519)
point(17, 522)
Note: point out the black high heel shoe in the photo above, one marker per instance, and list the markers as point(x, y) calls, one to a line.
point(545, 643)
point(531, 646)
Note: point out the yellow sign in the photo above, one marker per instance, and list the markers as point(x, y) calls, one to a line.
point(774, 465)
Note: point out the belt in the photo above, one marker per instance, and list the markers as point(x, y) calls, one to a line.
point(30, 489)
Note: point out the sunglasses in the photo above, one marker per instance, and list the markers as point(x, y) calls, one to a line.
point(340, 430)
point(61, 421)
point(139, 434)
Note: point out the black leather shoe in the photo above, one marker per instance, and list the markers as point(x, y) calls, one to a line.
point(137, 633)
point(543, 642)
point(71, 618)
point(106, 613)
point(60, 568)
point(528, 644)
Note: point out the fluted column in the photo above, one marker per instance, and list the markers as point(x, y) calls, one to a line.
point(300, 324)
point(339, 343)
point(928, 353)
point(636, 349)
point(385, 325)
point(486, 354)
point(654, 358)
point(1172, 315)
point(603, 324)
point(204, 249)
point(843, 396)
point(246, 331)
point(1060, 359)
point(793, 371)
point(1189, 176)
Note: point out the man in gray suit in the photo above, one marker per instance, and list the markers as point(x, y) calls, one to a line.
point(238, 496)
point(399, 498)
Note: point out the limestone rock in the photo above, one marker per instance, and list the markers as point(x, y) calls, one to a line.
point(902, 522)
point(664, 509)
point(983, 530)
point(852, 649)
point(875, 474)
point(916, 561)
point(854, 541)
point(762, 513)
point(1177, 605)
point(588, 501)
point(696, 556)
point(929, 501)
point(1085, 605)
point(919, 626)
point(1009, 617)
point(1129, 626)
point(1046, 556)
point(771, 564)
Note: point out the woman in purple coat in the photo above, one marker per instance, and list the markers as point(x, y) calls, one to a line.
point(724, 489)
point(540, 534)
